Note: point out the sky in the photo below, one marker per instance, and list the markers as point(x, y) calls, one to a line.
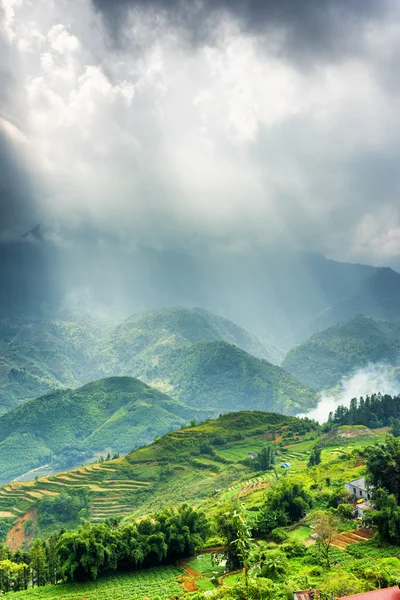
point(223, 124)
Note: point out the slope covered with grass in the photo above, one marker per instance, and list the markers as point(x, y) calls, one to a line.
point(220, 377)
point(69, 425)
point(342, 349)
point(183, 465)
point(36, 357)
point(141, 341)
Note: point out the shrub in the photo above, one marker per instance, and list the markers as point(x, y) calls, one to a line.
point(346, 511)
point(278, 535)
point(294, 549)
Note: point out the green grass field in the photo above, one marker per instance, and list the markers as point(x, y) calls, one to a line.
point(160, 582)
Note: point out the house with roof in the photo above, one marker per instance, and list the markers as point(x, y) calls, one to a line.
point(252, 455)
point(358, 488)
point(392, 593)
point(286, 465)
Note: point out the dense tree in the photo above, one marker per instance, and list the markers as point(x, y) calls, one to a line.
point(383, 466)
point(395, 427)
point(372, 411)
point(315, 456)
point(236, 533)
point(266, 458)
point(387, 516)
point(38, 564)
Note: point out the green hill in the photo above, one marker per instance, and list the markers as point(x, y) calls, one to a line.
point(39, 356)
point(184, 465)
point(142, 340)
point(342, 349)
point(67, 426)
point(219, 377)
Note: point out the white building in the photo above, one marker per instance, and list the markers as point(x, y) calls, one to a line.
point(358, 488)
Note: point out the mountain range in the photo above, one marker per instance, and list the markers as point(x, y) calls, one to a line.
point(340, 350)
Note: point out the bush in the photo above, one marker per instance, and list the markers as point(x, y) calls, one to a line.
point(294, 549)
point(275, 565)
point(346, 511)
point(278, 535)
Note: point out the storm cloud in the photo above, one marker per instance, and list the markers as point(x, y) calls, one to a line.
point(225, 125)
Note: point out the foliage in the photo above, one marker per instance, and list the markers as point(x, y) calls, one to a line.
point(236, 533)
point(383, 466)
point(286, 503)
point(372, 411)
point(69, 507)
point(266, 458)
point(325, 527)
point(315, 456)
point(332, 353)
point(274, 565)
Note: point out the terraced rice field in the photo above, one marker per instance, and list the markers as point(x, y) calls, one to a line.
point(110, 497)
point(342, 540)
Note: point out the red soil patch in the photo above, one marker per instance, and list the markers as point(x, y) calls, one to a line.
point(188, 581)
point(16, 536)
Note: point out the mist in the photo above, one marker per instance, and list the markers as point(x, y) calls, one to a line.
point(366, 381)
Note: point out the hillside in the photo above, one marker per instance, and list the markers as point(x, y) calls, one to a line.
point(219, 377)
point(378, 296)
point(142, 340)
point(340, 350)
point(184, 465)
point(39, 356)
point(66, 427)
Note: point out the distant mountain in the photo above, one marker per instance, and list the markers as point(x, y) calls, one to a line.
point(38, 356)
point(66, 426)
point(142, 340)
point(275, 293)
point(340, 350)
point(220, 377)
point(378, 296)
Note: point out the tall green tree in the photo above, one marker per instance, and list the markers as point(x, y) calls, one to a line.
point(383, 466)
point(266, 458)
point(236, 533)
point(315, 456)
point(38, 564)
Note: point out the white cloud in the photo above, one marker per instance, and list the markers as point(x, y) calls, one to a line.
point(230, 140)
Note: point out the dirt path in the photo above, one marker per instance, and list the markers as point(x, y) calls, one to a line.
point(188, 581)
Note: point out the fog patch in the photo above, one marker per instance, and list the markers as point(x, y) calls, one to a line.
point(366, 381)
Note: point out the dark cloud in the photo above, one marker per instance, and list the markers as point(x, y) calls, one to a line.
point(312, 28)
point(17, 209)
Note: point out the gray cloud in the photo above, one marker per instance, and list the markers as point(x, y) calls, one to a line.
point(232, 143)
point(312, 29)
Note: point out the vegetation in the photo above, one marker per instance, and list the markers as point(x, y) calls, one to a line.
point(218, 377)
point(330, 354)
point(258, 520)
point(141, 340)
point(67, 426)
point(372, 411)
point(36, 357)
